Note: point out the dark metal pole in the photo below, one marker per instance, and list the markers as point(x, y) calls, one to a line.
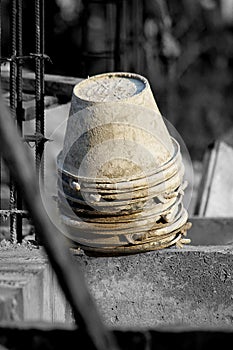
point(0, 88)
point(13, 72)
point(39, 84)
point(19, 109)
point(19, 65)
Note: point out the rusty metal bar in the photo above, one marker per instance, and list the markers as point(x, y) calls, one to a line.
point(67, 270)
point(16, 99)
point(13, 72)
point(19, 108)
point(19, 62)
point(36, 138)
point(39, 88)
point(39, 83)
point(0, 88)
point(6, 212)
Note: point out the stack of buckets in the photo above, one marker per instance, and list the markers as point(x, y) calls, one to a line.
point(120, 173)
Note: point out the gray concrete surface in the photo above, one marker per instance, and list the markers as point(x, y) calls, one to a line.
point(192, 286)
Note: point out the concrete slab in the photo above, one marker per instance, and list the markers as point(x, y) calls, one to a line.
point(191, 286)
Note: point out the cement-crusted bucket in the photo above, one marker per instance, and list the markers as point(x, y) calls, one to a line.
point(111, 115)
point(112, 238)
point(120, 174)
point(136, 181)
point(110, 142)
point(127, 88)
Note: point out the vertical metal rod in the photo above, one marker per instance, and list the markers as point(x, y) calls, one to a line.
point(19, 109)
point(0, 39)
point(19, 65)
point(39, 84)
point(42, 42)
point(0, 88)
point(13, 68)
point(117, 42)
point(39, 88)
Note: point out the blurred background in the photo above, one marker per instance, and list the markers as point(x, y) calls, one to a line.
point(183, 47)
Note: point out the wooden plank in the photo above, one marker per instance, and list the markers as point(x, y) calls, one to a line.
point(29, 104)
point(215, 197)
point(55, 85)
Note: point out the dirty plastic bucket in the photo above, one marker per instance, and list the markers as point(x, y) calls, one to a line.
point(120, 173)
point(127, 88)
point(114, 143)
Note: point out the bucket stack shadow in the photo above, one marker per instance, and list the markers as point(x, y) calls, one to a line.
point(120, 174)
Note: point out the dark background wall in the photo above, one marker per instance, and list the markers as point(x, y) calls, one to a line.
point(184, 48)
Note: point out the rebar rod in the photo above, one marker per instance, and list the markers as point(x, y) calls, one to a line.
point(39, 88)
point(0, 62)
point(6, 212)
point(19, 65)
point(68, 272)
point(0, 88)
point(39, 83)
point(19, 109)
point(13, 72)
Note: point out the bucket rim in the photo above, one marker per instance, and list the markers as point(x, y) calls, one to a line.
point(120, 180)
point(135, 187)
point(154, 234)
point(172, 185)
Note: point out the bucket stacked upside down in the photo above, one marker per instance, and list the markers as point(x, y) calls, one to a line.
point(120, 173)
